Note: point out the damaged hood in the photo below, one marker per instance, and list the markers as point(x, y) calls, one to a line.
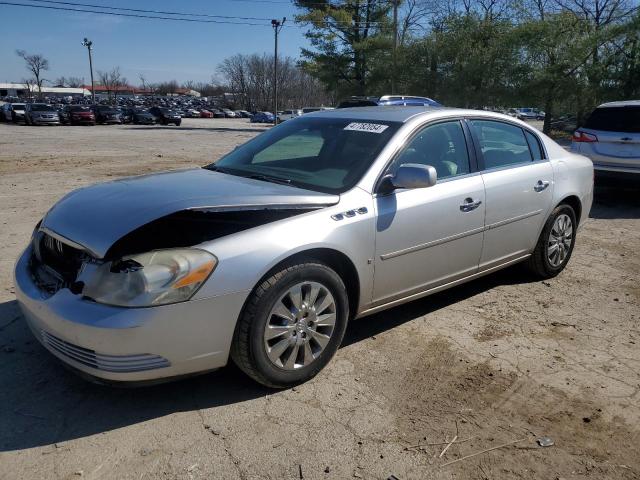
point(97, 216)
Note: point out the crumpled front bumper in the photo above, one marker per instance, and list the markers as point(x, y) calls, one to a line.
point(129, 344)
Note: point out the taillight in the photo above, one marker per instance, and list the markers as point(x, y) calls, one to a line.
point(579, 136)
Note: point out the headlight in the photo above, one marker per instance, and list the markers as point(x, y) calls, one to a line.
point(152, 278)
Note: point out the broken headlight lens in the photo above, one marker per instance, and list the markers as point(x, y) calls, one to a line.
point(152, 278)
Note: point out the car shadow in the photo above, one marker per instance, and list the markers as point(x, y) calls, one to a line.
point(45, 404)
point(616, 199)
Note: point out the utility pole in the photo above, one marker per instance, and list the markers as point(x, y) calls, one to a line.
point(88, 43)
point(395, 45)
point(277, 26)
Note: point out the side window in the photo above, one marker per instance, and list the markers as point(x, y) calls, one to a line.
point(501, 144)
point(305, 144)
point(534, 145)
point(442, 146)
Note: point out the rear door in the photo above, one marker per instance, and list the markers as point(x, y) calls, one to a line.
point(615, 137)
point(518, 182)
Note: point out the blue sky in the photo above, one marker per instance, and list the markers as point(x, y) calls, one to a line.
point(159, 49)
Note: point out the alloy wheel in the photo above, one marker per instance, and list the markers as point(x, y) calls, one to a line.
point(300, 325)
point(560, 239)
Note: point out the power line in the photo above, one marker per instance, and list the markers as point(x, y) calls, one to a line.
point(159, 15)
point(160, 12)
point(118, 14)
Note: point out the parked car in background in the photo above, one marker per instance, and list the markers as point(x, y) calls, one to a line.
point(219, 114)
point(128, 281)
point(165, 116)
point(289, 114)
point(41, 114)
point(243, 114)
point(125, 114)
point(12, 112)
point(403, 100)
point(611, 138)
point(107, 114)
point(206, 114)
point(229, 113)
point(79, 115)
point(141, 116)
point(262, 117)
point(315, 109)
point(191, 114)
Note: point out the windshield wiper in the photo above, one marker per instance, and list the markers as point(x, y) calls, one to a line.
point(254, 176)
point(268, 178)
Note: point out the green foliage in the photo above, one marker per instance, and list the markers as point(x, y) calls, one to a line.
point(563, 58)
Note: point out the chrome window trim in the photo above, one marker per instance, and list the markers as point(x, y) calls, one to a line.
point(478, 149)
point(415, 129)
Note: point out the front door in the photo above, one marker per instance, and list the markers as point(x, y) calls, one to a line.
point(428, 236)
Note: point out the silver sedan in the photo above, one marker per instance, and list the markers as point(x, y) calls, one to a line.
point(264, 256)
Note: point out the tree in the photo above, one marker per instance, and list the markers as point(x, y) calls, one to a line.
point(351, 43)
point(112, 80)
point(36, 64)
point(71, 82)
point(250, 79)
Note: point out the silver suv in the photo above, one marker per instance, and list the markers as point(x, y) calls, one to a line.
point(611, 138)
point(41, 114)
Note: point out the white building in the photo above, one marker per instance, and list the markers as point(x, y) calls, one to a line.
point(22, 90)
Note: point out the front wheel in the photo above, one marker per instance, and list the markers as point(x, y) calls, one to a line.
point(291, 325)
point(556, 242)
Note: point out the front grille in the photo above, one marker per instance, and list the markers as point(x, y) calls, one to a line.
point(107, 363)
point(54, 264)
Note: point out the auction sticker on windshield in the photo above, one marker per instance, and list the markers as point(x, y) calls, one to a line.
point(366, 127)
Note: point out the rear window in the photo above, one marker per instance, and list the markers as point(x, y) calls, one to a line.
point(615, 119)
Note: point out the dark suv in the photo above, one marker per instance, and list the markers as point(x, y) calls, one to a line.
point(107, 114)
point(165, 116)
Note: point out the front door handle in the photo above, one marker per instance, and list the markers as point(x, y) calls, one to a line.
point(541, 185)
point(470, 204)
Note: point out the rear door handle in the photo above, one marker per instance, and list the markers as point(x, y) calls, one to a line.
point(541, 185)
point(470, 204)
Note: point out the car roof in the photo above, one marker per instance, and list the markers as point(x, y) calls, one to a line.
point(403, 114)
point(623, 103)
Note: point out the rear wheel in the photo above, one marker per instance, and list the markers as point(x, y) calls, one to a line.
point(292, 325)
point(556, 242)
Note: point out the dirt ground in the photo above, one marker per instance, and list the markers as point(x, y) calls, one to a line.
point(501, 359)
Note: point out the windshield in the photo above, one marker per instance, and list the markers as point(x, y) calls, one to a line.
point(18, 106)
point(615, 119)
point(42, 108)
point(108, 110)
point(79, 109)
point(324, 154)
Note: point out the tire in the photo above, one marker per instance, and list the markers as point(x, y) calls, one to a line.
point(249, 346)
point(544, 263)
point(178, 124)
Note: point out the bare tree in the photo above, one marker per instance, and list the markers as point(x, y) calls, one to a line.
point(36, 64)
point(75, 82)
point(250, 79)
point(112, 81)
point(143, 82)
point(29, 85)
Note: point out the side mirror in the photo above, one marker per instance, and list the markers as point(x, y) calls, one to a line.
point(410, 175)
